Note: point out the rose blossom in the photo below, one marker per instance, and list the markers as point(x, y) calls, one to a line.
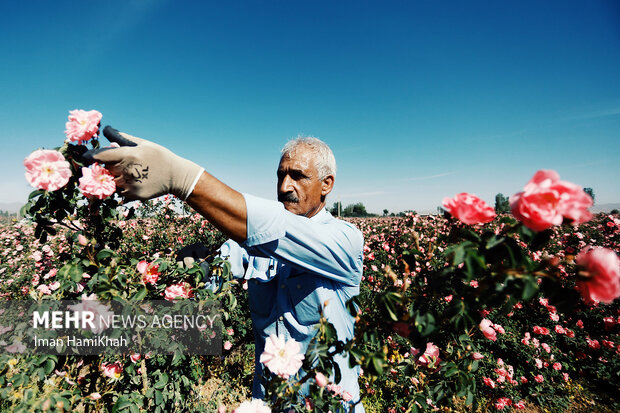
point(477, 356)
point(82, 240)
point(97, 182)
point(545, 201)
point(112, 370)
point(320, 378)
point(602, 268)
point(227, 345)
point(178, 291)
point(539, 378)
point(502, 402)
point(101, 312)
point(280, 357)
point(486, 326)
point(469, 209)
point(82, 125)
point(254, 406)
point(430, 357)
point(134, 357)
point(489, 382)
point(47, 170)
point(150, 273)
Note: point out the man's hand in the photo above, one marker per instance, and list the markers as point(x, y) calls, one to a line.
point(144, 169)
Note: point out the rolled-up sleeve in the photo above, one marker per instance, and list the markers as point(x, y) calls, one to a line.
point(331, 248)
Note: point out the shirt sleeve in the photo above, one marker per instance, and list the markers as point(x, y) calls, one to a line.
point(332, 249)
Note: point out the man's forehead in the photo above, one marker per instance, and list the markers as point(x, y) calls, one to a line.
point(301, 158)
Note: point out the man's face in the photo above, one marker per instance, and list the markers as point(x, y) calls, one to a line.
point(299, 187)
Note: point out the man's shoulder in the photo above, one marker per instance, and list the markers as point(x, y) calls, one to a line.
point(347, 228)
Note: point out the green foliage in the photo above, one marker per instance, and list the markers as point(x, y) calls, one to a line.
point(590, 192)
point(501, 204)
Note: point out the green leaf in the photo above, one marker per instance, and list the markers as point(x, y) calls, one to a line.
point(470, 398)
point(163, 380)
point(121, 403)
point(140, 294)
point(494, 241)
point(529, 289)
point(76, 272)
point(35, 194)
point(451, 372)
point(105, 253)
point(377, 363)
point(49, 366)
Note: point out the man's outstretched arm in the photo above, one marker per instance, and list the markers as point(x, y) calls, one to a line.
point(223, 206)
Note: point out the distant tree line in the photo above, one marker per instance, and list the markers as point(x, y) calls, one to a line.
point(358, 210)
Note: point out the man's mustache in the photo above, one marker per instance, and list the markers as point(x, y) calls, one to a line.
point(288, 197)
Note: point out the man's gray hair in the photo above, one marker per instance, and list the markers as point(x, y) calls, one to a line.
point(324, 159)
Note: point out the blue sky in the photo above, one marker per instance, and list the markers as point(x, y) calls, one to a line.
point(418, 99)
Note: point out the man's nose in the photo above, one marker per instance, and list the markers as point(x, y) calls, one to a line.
point(286, 185)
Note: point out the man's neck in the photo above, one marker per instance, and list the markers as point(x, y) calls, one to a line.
point(314, 211)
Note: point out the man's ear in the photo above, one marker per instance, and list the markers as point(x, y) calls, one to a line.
point(327, 184)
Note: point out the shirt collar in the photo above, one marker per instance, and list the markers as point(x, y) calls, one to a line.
point(322, 215)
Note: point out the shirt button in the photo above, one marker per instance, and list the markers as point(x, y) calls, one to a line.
point(281, 318)
point(299, 286)
point(283, 286)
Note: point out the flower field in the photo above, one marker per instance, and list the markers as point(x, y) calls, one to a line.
point(469, 311)
point(427, 338)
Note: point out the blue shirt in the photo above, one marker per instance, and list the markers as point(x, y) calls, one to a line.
point(295, 266)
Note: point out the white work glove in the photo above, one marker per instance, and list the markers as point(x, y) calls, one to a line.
point(144, 169)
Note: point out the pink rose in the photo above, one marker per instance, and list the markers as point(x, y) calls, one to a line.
point(227, 345)
point(489, 382)
point(281, 357)
point(82, 240)
point(486, 326)
point(430, 357)
point(150, 273)
point(47, 170)
point(545, 201)
point(469, 209)
point(477, 356)
point(97, 182)
point(320, 378)
point(539, 378)
point(134, 357)
point(601, 272)
point(540, 330)
point(94, 396)
point(178, 291)
point(112, 370)
point(82, 125)
point(502, 402)
point(101, 312)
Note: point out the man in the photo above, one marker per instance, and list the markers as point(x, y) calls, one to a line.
point(296, 256)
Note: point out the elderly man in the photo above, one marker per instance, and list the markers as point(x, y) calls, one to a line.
point(296, 256)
